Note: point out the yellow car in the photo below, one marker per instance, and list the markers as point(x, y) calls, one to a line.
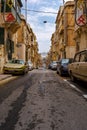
point(15, 66)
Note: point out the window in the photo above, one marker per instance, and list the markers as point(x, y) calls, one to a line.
point(17, 61)
point(76, 59)
point(83, 57)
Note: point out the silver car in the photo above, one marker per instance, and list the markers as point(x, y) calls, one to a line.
point(53, 65)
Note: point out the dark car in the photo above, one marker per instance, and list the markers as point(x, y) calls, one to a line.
point(62, 66)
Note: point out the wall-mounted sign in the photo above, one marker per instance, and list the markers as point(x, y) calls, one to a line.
point(9, 17)
point(80, 12)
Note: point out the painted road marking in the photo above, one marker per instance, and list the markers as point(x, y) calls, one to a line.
point(85, 96)
point(73, 86)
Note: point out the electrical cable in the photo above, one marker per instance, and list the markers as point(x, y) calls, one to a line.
point(37, 11)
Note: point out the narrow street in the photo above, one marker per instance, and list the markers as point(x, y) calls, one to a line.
point(41, 100)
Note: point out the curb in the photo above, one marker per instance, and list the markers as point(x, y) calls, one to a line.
point(3, 78)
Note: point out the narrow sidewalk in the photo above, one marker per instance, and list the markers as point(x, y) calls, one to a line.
point(4, 76)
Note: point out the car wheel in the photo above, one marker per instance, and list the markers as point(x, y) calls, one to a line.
point(72, 77)
point(57, 72)
point(24, 72)
point(60, 73)
point(27, 71)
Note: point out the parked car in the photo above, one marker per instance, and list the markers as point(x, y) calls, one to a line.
point(78, 69)
point(30, 65)
point(53, 65)
point(49, 66)
point(62, 66)
point(15, 66)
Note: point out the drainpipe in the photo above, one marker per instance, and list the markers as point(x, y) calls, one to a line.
point(65, 30)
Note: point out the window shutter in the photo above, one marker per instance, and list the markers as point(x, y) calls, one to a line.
point(1, 35)
point(12, 46)
point(7, 45)
point(7, 9)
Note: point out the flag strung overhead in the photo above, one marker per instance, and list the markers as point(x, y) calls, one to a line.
point(80, 12)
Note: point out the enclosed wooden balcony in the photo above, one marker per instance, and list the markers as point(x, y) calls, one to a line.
point(11, 16)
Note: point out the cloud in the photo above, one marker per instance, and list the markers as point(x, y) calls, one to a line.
point(44, 34)
point(43, 31)
point(34, 1)
point(68, 0)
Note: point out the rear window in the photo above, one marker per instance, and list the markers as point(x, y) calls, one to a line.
point(54, 63)
point(76, 59)
point(83, 57)
point(65, 61)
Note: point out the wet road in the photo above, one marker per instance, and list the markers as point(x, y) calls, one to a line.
point(41, 100)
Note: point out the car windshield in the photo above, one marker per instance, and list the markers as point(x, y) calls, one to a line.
point(54, 62)
point(29, 62)
point(17, 61)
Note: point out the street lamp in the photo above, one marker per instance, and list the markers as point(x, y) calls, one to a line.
point(44, 21)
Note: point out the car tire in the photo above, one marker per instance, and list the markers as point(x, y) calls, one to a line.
point(24, 72)
point(60, 73)
point(57, 71)
point(72, 77)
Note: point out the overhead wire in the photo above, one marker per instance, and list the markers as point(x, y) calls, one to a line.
point(39, 11)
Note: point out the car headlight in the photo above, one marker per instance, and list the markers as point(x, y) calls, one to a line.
point(5, 67)
point(21, 68)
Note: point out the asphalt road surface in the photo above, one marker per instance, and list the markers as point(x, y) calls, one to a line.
point(41, 100)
